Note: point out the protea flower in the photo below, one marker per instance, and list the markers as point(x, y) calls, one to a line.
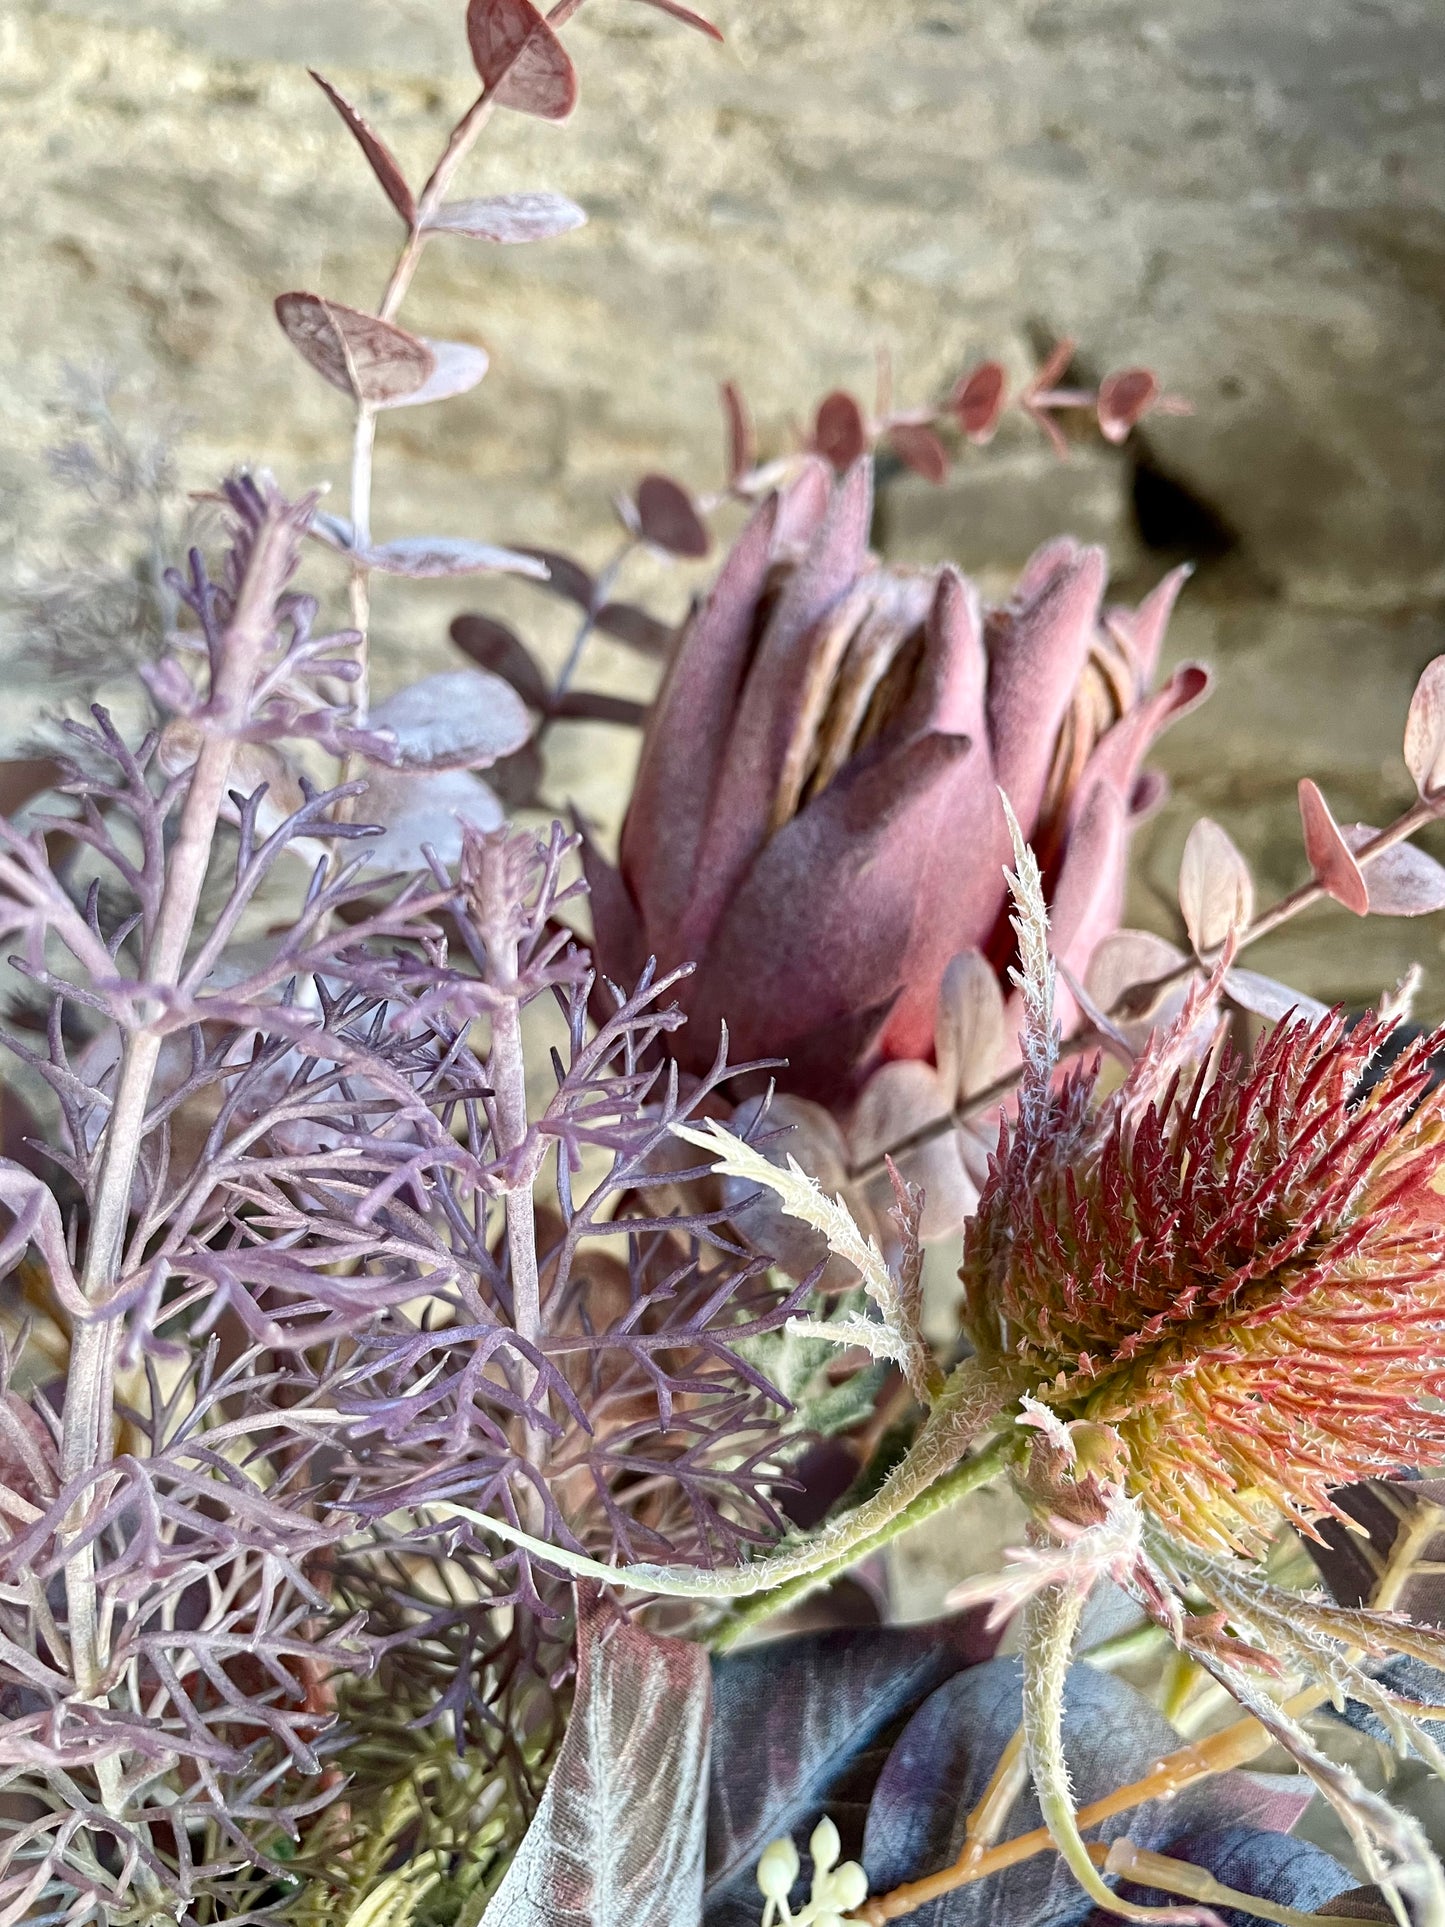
point(1243, 1274)
point(816, 820)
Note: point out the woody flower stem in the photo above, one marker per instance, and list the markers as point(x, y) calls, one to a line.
point(89, 1412)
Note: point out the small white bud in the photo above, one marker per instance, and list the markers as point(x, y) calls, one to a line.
point(777, 1870)
point(825, 1846)
point(847, 1887)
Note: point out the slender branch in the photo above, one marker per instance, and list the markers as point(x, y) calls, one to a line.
point(1127, 1005)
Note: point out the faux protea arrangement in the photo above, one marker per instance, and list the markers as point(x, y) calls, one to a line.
point(445, 1271)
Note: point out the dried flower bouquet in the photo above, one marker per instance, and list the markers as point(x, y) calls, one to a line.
point(434, 1488)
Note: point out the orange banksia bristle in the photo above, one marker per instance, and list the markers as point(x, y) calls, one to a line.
point(1242, 1273)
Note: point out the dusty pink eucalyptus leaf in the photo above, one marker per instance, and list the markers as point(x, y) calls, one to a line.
point(840, 433)
point(423, 810)
point(1125, 398)
point(1126, 961)
point(618, 1838)
point(1402, 881)
point(382, 161)
point(509, 218)
point(1268, 998)
point(742, 441)
point(666, 518)
point(676, 11)
point(362, 356)
point(1330, 856)
point(462, 719)
point(970, 1036)
point(1216, 892)
point(899, 1099)
point(1425, 730)
point(978, 401)
point(798, 1129)
point(425, 557)
point(916, 444)
point(520, 58)
point(457, 367)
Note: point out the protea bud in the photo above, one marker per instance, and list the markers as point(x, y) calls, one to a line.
point(1242, 1274)
point(816, 820)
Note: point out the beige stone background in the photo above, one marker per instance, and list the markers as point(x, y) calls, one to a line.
point(1248, 195)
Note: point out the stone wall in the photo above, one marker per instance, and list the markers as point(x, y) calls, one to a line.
point(1249, 195)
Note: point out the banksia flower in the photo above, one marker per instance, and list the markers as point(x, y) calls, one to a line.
point(816, 820)
point(1242, 1273)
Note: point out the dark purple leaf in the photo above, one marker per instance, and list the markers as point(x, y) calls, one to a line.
point(517, 779)
point(424, 557)
point(917, 444)
point(945, 1757)
point(509, 217)
point(742, 443)
point(618, 1838)
point(978, 401)
point(492, 645)
point(634, 626)
point(382, 160)
point(800, 1726)
point(590, 705)
point(840, 433)
point(1125, 398)
point(1361, 1903)
point(1330, 856)
point(362, 356)
point(458, 366)
point(1350, 1562)
point(520, 58)
point(462, 719)
point(565, 577)
point(1402, 881)
point(667, 518)
point(23, 778)
point(686, 16)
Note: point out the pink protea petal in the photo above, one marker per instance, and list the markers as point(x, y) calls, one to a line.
point(762, 725)
point(1144, 627)
point(687, 735)
point(818, 930)
point(1037, 649)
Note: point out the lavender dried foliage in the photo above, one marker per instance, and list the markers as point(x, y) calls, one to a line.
point(307, 1287)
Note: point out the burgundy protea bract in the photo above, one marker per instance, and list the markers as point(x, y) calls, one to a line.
point(1243, 1275)
point(816, 820)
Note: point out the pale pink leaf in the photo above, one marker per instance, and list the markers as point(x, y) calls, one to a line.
point(899, 1099)
point(509, 218)
point(1425, 730)
point(666, 518)
point(421, 810)
point(424, 557)
point(383, 162)
point(1131, 961)
point(1268, 998)
point(969, 1032)
point(461, 719)
point(520, 58)
point(364, 357)
point(840, 433)
point(1216, 893)
point(618, 1837)
point(1402, 881)
point(1330, 857)
point(456, 367)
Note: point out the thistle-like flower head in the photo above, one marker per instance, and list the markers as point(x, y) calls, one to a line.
point(1240, 1270)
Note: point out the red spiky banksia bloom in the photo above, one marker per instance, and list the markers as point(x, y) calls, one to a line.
point(1242, 1272)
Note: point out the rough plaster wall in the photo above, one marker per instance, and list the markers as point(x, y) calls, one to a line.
point(1249, 195)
